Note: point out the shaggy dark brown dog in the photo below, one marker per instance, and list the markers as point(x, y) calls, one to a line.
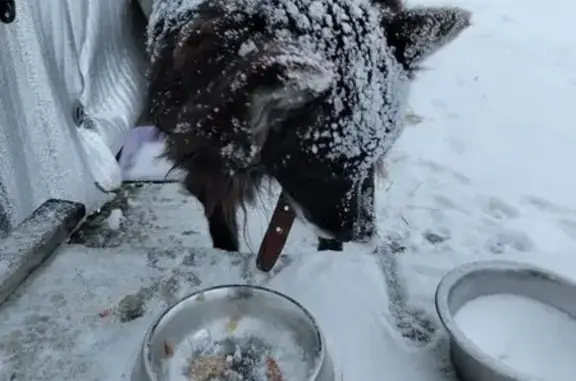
point(311, 93)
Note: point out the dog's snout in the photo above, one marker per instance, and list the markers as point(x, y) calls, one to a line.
point(359, 232)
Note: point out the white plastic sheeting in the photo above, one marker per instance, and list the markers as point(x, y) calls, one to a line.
point(146, 6)
point(56, 55)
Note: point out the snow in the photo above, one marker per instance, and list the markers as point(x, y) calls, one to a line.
point(525, 334)
point(347, 294)
point(115, 219)
point(485, 172)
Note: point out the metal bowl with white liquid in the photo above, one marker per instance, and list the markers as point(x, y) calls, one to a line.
point(551, 294)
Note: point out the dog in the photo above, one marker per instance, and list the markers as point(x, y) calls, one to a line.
point(311, 93)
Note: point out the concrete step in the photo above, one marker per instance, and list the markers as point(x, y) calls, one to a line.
point(34, 240)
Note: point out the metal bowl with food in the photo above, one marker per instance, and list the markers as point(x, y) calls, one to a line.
point(475, 281)
point(232, 333)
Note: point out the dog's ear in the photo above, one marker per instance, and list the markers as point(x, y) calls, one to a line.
point(416, 33)
point(300, 78)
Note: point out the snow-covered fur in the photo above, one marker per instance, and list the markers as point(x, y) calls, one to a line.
point(311, 93)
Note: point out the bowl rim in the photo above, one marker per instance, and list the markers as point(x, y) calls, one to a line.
point(452, 278)
point(145, 352)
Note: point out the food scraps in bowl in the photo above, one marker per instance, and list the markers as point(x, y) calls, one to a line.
point(235, 367)
point(239, 357)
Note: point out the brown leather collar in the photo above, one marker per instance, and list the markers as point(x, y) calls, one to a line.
point(276, 235)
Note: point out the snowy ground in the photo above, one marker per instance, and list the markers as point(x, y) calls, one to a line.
point(484, 172)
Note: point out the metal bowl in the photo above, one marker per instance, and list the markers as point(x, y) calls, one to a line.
point(227, 320)
point(478, 279)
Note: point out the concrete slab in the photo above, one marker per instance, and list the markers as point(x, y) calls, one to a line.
point(83, 313)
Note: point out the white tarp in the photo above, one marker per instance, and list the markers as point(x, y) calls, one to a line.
point(57, 54)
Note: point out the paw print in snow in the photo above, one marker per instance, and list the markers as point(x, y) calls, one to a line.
point(412, 118)
point(568, 227)
point(506, 240)
point(499, 209)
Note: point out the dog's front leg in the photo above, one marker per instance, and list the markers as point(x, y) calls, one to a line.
point(223, 227)
point(220, 215)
